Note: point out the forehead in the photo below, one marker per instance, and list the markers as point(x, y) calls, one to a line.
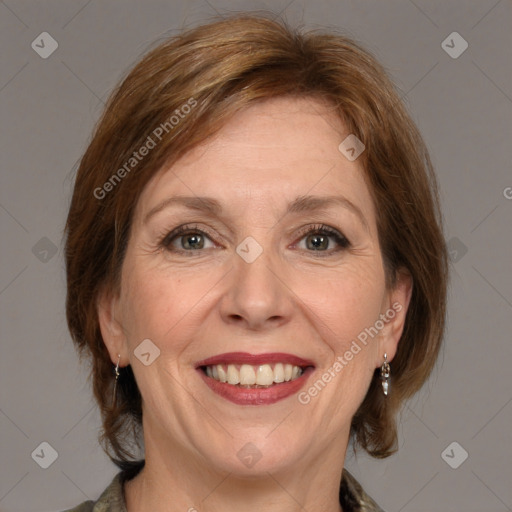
point(269, 153)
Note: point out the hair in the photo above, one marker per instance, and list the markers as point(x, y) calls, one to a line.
point(189, 86)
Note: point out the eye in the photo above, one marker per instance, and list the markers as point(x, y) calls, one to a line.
point(322, 239)
point(318, 238)
point(187, 239)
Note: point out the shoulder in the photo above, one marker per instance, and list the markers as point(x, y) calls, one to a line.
point(353, 497)
point(111, 499)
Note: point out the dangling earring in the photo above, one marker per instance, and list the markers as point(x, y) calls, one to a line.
point(115, 382)
point(385, 372)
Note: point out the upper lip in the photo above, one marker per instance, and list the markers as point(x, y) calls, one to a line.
point(255, 359)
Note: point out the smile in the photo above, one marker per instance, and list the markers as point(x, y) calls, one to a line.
point(247, 375)
point(247, 379)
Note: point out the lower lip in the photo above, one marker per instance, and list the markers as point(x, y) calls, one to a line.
point(256, 396)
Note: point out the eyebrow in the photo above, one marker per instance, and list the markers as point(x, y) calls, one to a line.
point(301, 204)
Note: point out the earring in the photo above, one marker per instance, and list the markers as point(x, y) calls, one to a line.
point(385, 372)
point(116, 370)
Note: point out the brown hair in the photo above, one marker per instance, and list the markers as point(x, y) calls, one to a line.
point(218, 69)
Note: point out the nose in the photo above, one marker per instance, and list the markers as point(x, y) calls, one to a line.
point(257, 296)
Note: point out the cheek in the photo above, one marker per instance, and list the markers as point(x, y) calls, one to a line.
point(147, 310)
point(343, 302)
point(341, 308)
point(162, 304)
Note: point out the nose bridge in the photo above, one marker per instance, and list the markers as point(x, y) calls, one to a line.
point(256, 294)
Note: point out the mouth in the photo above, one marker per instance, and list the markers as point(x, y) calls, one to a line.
point(247, 379)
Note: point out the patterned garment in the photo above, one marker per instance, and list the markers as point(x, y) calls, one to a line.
point(352, 497)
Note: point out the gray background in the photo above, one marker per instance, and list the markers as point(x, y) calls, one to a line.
point(464, 108)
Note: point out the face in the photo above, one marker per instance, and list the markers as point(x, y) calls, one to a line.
point(255, 258)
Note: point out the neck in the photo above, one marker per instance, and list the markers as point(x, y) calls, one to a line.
point(179, 482)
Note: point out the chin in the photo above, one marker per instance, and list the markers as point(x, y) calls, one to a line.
point(256, 455)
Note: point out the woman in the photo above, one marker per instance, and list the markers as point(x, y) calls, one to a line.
point(257, 269)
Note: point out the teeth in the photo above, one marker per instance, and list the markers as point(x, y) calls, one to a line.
point(264, 375)
point(248, 375)
point(222, 374)
point(233, 375)
point(279, 373)
point(288, 369)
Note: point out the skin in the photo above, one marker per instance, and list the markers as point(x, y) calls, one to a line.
point(292, 298)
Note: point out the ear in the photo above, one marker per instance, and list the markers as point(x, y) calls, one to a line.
point(396, 306)
point(111, 327)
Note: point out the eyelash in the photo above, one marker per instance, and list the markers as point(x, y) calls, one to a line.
point(320, 229)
